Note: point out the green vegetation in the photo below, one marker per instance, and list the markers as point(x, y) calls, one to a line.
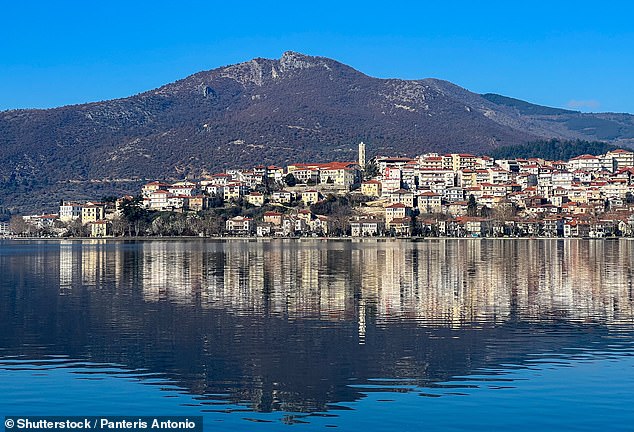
point(525, 107)
point(553, 149)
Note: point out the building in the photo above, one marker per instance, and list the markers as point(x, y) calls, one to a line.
point(619, 159)
point(367, 227)
point(100, 228)
point(361, 155)
point(239, 225)
point(255, 199)
point(273, 218)
point(400, 226)
point(157, 200)
point(233, 191)
point(197, 202)
point(396, 211)
point(310, 197)
point(92, 212)
point(69, 211)
point(372, 188)
point(148, 188)
point(429, 202)
point(341, 175)
point(282, 196)
point(585, 163)
point(402, 196)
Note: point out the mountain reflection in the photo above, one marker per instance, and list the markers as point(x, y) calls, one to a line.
point(290, 325)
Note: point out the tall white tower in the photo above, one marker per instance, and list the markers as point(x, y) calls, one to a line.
point(362, 155)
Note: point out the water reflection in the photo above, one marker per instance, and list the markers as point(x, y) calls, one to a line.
point(442, 282)
point(302, 325)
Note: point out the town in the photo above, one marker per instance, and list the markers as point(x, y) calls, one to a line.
point(432, 195)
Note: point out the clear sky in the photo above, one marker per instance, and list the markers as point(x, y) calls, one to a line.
point(574, 54)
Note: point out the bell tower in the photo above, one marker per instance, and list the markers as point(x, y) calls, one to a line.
point(362, 155)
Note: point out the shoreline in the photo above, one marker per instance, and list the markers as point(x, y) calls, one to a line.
point(256, 239)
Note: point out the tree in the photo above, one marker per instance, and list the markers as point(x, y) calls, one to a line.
point(109, 199)
point(76, 229)
point(290, 180)
point(472, 206)
point(18, 226)
point(135, 215)
point(370, 170)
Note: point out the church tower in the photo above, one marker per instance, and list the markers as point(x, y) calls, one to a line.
point(362, 155)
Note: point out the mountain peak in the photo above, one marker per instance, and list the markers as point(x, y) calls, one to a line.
point(294, 60)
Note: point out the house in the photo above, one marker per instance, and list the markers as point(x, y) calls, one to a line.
point(463, 161)
point(184, 188)
point(100, 228)
point(342, 175)
point(310, 197)
point(553, 226)
point(233, 191)
point(92, 212)
point(619, 159)
point(239, 225)
point(42, 221)
point(275, 173)
point(453, 194)
point(372, 188)
point(576, 228)
point(458, 208)
point(282, 196)
point(585, 163)
point(197, 202)
point(221, 179)
point(273, 218)
point(214, 190)
point(255, 199)
point(321, 225)
point(367, 227)
point(402, 196)
point(69, 211)
point(177, 202)
point(264, 229)
point(154, 186)
point(429, 202)
point(395, 211)
point(157, 200)
point(400, 226)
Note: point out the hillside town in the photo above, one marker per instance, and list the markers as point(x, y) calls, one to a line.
point(432, 195)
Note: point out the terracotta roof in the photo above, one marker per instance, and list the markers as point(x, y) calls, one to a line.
point(584, 157)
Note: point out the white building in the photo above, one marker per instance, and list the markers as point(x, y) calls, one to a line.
point(69, 211)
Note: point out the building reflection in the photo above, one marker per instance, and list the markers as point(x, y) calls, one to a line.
point(438, 282)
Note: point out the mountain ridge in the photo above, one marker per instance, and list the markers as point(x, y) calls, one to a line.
point(294, 109)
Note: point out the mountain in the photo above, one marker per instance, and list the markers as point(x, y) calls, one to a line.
point(298, 108)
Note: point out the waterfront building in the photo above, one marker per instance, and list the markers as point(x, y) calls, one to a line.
point(92, 212)
point(366, 227)
point(69, 211)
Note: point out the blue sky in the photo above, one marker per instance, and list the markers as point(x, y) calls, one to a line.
point(567, 54)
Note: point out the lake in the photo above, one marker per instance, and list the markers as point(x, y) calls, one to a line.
point(267, 335)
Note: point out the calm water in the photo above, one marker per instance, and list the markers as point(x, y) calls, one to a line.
point(309, 335)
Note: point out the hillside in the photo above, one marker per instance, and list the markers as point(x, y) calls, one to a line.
point(297, 108)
